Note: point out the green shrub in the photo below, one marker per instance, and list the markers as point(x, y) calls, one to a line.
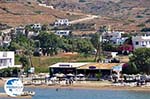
point(82, 0)
point(9, 72)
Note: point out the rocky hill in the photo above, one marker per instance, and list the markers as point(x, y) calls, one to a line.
point(119, 14)
point(134, 13)
point(20, 12)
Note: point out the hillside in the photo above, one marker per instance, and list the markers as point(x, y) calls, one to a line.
point(127, 15)
point(132, 13)
point(19, 13)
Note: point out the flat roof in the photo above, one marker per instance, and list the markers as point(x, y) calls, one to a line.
point(106, 66)
point(67, 65)
point(18, 66)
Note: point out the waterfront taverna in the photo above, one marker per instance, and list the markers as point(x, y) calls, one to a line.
point(65, 68)
point(89, 70)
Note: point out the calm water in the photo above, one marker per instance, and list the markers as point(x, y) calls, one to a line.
point(45, 93)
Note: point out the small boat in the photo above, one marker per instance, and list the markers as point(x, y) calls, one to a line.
point(37, 83)
point(27, 83)
point(28, 93)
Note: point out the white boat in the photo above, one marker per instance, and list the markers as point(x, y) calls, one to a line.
point(37, 83)
point(27, 83)
point(28, 93)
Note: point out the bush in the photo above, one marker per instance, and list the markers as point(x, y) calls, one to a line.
point(9, 72)
point(145, 30)
point(147, 21)
point(141, 25)
point(139, 16)
point(82, 0)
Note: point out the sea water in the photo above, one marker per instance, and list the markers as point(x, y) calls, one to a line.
point(47, 93)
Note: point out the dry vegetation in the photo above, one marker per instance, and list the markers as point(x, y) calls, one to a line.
point(15, 14)
point(125, 15)
point(128, 15)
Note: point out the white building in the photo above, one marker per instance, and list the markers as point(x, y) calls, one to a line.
point(62, 22)
point(115, 37)
point(20, 30)
point(119, 41)
point(63, 32)
point(44, 5)
point(65, 68)
point(67, 65)
point(7, 60)
point(5, 40)
point(141, 41)
point(36, 26)
point(32, 33)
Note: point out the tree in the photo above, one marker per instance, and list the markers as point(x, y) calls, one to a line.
point(49, 43)
point(21, 42)
point(95, 40)
point(109, 47)
point(68, 44)
point(84, 46)
point(24, 61)
point(9, 72)
point(97, 43)
point(130, 68)
point(141, 59)
point(44, 27)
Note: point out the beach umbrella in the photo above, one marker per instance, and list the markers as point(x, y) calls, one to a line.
point(125, 75)
point(53, 78)
point(71, 75)
point(80, 75)
point(114, 75)
point(59, 75)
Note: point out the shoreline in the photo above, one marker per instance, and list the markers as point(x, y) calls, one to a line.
point(93, 87)
point(4, 95)
point(88, 85)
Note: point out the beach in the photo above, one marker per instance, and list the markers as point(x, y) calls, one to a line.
point(98, 85)
point(2, 82)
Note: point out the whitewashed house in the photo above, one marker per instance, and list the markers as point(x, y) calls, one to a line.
point(119, 41)
point(32, 33)
point(141, 41)
point(5, 40)
point(20, 30)
point(116, 37)
point(45, 5)
point(62, 22)
point(7, 59)
point(36, 26)
point(62, 32)
point(1, 41)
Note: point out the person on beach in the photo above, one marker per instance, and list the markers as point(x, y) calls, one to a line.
point(56, 89)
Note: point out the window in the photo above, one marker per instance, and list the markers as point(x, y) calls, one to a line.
point(1, 61)
point(136, 43)
point(143, 43)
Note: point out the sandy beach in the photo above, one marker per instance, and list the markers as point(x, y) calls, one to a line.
point(97, 85)
point(2, 82)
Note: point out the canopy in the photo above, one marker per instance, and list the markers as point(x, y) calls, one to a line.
point(59, 75)
point(80, 75)
point(70, 74)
